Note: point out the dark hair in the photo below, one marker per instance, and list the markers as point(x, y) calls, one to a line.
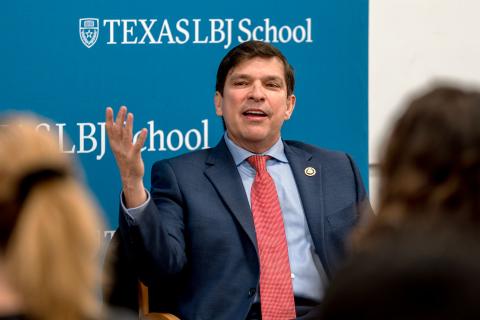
point(249, 50)
point(433, 155)
point(11, 209)
point(432, 159)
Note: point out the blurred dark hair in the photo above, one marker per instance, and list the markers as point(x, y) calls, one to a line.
point(249, 50)
point(432, 159)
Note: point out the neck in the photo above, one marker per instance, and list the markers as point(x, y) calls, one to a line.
point(254, 147)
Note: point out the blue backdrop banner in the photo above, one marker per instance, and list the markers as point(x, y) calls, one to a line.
point(69, 60)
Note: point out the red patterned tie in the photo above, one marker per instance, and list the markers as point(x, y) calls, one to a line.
point(276, 293)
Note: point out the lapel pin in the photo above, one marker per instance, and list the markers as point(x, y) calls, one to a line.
point(310, 171)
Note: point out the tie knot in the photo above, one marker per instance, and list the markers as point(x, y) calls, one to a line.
point(258, 162)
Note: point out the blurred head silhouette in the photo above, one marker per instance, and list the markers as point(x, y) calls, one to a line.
point(431, 164)
point(49, 226)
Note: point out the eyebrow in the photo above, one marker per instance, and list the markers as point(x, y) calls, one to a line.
point(266, 78)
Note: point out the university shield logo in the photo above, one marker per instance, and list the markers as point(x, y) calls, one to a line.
point(88, 28)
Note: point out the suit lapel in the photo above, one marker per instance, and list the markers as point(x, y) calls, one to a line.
point(223, 174)
point(310, 189)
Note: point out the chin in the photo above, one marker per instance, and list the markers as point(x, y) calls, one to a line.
point(255, 138)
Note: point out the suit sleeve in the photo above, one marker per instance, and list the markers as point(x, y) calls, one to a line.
point(154, 237)
point(363, 202)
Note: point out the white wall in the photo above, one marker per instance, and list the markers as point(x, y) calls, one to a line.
point(412, 44)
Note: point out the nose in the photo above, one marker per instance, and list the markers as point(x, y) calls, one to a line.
point(257, 92)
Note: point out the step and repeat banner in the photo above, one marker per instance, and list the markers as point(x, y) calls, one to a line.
point(69, 60)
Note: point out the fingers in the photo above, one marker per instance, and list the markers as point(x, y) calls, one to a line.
point(121, 116)
point(140, 140)
point(109, 120)
point(108, 115)
point(123, 134)
point(128, 127)
point(116, 130)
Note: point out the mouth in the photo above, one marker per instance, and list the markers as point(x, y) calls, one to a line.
point(255, 114)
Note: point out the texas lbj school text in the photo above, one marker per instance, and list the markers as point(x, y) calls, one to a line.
point(91, 138)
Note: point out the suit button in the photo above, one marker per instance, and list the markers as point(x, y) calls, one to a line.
point(252, 292)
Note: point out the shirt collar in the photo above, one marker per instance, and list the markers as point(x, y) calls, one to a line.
point(239, 154)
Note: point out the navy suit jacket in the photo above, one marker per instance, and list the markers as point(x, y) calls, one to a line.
point(196, 243)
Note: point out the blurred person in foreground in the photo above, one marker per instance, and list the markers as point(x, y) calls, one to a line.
point(418, 258)
point(422, 271)
point(431, 165)
point(49, 229)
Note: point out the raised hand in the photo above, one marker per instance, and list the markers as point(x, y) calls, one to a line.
point(127, 154)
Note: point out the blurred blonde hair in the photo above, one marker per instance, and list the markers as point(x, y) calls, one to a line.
point(52, 253)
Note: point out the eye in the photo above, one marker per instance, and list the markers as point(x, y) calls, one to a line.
point(273, 84)
point(240, 83)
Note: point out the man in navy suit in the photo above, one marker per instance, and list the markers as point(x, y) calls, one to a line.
point(194, 234)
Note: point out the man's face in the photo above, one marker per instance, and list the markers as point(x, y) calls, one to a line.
point(254, 104)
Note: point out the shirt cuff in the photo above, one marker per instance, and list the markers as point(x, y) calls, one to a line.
point(132, 212)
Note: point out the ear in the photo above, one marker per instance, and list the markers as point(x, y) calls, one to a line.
point(218, 99)
point(290, 106)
